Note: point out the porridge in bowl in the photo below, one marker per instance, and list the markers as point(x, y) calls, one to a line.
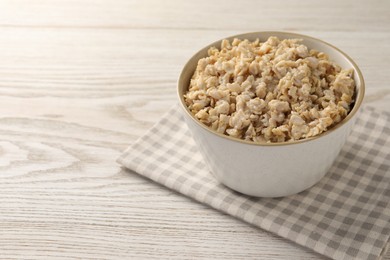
point(272, 91)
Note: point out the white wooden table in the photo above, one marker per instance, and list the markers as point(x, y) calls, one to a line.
point(80, 80)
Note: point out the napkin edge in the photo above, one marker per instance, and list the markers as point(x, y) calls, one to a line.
point(384, 250)
point(121, 159)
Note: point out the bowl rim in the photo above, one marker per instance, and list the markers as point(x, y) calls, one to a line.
point(359, 97)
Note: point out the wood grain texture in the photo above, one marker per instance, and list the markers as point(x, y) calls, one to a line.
point(80, 80)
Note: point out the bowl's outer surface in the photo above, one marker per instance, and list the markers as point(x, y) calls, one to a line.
point(271, 169)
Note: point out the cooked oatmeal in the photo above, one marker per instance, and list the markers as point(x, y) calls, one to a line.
point(273, 91)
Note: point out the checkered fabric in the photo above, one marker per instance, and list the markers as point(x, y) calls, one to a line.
point(345, 216)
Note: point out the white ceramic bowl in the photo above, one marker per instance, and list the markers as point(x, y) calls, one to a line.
point(271, 169)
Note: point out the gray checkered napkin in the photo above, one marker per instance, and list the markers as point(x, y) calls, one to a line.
point(345, 216)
